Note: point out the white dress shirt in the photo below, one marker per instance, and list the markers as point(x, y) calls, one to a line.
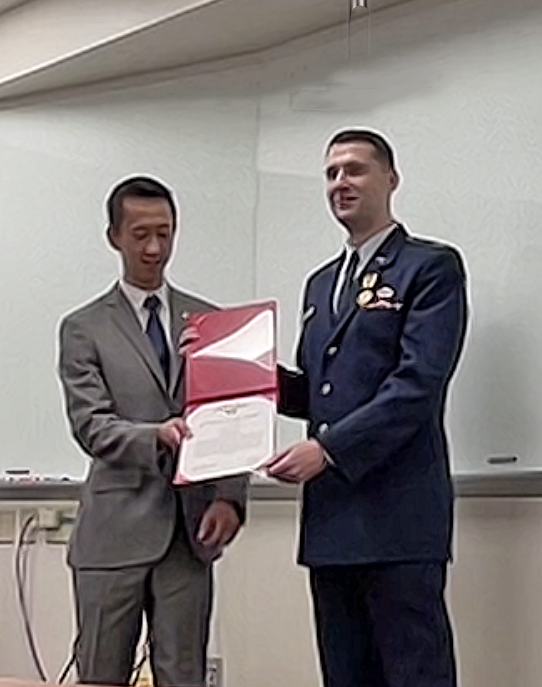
point(137, 298)
point(365, 252)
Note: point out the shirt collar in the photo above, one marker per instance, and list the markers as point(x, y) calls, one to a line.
point(372, 244)
point(138, 296)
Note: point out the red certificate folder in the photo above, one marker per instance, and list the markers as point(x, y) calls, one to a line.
point(231, 392)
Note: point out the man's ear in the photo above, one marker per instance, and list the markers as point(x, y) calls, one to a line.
point(112, 237)
point(395, 180)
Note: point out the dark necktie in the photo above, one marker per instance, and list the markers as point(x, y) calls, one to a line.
point(156, 333)
point(349, 287)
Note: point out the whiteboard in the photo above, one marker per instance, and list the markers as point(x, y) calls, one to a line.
point(58, 164)
point(247, 164)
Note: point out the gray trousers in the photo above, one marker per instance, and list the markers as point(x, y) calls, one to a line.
point(175, 595)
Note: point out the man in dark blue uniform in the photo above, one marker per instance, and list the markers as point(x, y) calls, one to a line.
point(383, 328)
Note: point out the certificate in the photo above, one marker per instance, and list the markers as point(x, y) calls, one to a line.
point(231, 393)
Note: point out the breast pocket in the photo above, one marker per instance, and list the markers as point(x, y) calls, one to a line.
point(380, 326)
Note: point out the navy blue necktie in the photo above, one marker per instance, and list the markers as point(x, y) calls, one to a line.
point(156, 333)
point(349, 288)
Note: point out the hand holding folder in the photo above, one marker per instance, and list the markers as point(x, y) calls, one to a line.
point(231, 393)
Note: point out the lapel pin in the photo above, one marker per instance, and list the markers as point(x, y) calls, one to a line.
point(309, 312)
point(369, 280)
point(185, 315)
point(364, 297)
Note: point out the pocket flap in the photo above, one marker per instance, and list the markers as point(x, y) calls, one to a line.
point(110, 479)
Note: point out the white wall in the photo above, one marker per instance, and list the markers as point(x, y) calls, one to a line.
point(458, 92)
point(263, 621)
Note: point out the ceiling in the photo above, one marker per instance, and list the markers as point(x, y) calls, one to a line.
point(199, 34)
point(6, 5)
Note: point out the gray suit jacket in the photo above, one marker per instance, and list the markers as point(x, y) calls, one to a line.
point(116, 395)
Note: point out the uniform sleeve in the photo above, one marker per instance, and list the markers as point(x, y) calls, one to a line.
point(294, 384)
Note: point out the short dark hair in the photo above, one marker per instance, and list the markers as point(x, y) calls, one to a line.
point(137, 187)
point(383, 150)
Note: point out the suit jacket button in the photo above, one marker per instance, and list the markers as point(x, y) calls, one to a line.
point(322, 428)
point(325, 389)
point(332, 350)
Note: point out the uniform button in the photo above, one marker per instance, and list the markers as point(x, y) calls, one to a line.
point(332, 350)
point(325, 389)
point(322, 428)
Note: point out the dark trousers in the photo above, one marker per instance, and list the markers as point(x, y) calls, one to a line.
point(175, 594)
point(383, 625)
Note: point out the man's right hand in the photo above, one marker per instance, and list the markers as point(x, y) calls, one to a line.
point(172, 432)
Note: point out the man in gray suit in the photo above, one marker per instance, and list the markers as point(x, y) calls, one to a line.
point(139, 545)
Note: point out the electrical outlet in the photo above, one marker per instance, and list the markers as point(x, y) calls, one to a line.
point(65, 515)
point(215, 674)
point(49, 517)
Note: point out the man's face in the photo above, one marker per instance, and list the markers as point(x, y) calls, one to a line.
point(144, 239)
point(358, 184)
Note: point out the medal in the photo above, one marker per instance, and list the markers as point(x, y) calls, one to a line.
point(369, 280)
point(385, 292)
point(364, 297)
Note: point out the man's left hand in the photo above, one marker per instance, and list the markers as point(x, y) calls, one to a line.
point(219, 524)
point(300, 463)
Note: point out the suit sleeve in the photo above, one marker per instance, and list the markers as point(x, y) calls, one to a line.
point(234, 490)
point(98, 430)
point(431, 342)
